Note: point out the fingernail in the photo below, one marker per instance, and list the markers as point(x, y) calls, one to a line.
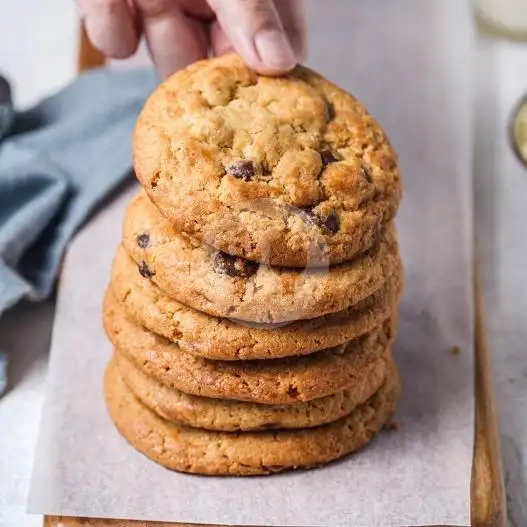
point(274, 50)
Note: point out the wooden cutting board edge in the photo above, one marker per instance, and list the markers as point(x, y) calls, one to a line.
point(488, 502)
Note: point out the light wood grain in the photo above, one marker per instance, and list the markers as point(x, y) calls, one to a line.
point(88, 57)
point(487, 485)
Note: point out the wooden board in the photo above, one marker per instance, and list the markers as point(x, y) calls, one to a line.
point(88, 57)
point(488, 503)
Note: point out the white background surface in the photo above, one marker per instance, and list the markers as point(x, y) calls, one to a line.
point(38, 53)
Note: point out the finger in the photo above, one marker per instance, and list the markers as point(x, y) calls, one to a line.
point(174, 40)
point(219, 41)
point(256, 33)
point(291, 13)
point(110, 26)
point(197, 8)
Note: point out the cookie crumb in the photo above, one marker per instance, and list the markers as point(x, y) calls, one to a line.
point(455, 350)
point(393, 426)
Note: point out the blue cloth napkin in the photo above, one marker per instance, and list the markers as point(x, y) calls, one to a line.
point(57, 162)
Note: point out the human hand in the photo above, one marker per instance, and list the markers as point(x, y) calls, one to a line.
point(268, 34)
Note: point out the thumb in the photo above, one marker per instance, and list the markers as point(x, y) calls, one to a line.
point(256, 33)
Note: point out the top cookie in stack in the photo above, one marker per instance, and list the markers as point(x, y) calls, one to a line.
point(288, 171)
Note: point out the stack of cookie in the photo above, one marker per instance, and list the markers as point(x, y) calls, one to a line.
point(252, 304)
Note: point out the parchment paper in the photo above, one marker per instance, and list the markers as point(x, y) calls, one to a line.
point(410, 61)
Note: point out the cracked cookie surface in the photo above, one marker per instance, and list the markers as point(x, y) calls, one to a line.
point(233, 416)
point(266, 168)
point(278, 381)
point(228, 287)
point(225, 339)
point(193, 450)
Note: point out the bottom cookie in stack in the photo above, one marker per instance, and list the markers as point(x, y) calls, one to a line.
point(186, 448)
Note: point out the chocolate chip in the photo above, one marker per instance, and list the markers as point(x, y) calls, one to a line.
point(327, 157)
point(292, 391)
point(144, 270)
point(242, 170)
point(330, 111)
point(366, 174)
point(330, 222)
point(233, 265)
point(143, 240)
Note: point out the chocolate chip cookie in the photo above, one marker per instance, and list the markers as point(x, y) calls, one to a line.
point(277, 381)
point(193, 450)
point(231, 287)
point(233, 416)
point(266, 168)
point(224, 339)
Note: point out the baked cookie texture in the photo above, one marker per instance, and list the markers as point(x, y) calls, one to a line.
point(234, 416)
point(278, 381)
point(231, 287)
point(225, 339)
point(266, 168)
point(194, 450)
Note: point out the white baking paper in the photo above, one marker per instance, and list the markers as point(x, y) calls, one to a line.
point(411, 62)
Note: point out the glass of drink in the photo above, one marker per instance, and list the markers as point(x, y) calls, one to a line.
point(504, 18)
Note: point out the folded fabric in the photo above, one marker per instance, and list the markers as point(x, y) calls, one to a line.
point(57, 162)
